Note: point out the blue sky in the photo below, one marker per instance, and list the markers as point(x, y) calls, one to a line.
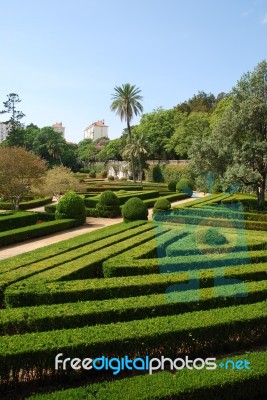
point(64, 57)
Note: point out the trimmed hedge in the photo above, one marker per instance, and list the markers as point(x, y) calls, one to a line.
point(194, 333)
point(70, 315)
point(134, 210)
point(108, 205)
point(17, 220)
point(101, 289)
point(33, 231)
point(25, 205)
point(71, 205)
point(88, 259)
point(218, 384)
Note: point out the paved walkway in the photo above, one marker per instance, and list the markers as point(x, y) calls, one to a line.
point(91, 225)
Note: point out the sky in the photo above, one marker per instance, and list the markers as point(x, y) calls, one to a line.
point(64, 57)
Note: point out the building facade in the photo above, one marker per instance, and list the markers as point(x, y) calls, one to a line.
point(96, 130)
point(59, 128)
point(4, 129)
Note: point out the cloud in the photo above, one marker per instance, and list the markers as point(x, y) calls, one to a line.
point(264, 19)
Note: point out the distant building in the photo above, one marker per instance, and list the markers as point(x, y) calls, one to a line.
point(59, 128)
point(96, 130)
point(4, 130)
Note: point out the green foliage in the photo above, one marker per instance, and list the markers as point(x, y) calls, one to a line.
point(33, 231)
point(157, 175)
point(17, 220)
point(92, 174)
point(134, 209)
point(185, 186)
point(108, 205)
point(162, 204)
point(111, 178)
point(103, 174)
point(172, 186)
point(212, 237)
point(25, 205)
point(71, 206)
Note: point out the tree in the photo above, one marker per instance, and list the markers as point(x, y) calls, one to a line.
point(87, 152)
point(237, 148)
point(57, 181)
point(14, 137)
point(19, 170)
point(126, 104)
point(137, 148)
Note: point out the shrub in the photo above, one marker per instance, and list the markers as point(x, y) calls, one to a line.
point(92, 174)
point(172, 186)
point(185, 186)
point(157, 174)
point(103, 174)
point(161, 205)
point(134, 209)
point(111, 178)
point(71, 206)
point(123, 179)
point(211, 237)
point(108, 205)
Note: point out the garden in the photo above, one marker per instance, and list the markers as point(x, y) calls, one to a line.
point(192, 282)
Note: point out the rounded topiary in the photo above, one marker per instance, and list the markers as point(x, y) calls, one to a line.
point(185, 186)
point(172, 186)
point(71, 206)
point(134, 209)
point(212, 237)
point(161, 205)
point(103, 174)
point(111, 178)
point(108, 205)
point(92, 174)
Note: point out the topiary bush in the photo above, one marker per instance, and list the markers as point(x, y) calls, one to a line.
point(161, 205)
point(185, 186)
point(103, 174)
point(108, 205)
point(212, 237)
point(92, 174)
point(134, 209)
point(71, 206)
point(172, 186)
point(111, 178)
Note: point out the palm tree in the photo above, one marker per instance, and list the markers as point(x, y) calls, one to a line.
point(136, 149)
point(126, 104)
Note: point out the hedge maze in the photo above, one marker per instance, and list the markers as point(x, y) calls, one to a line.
point(190, 283)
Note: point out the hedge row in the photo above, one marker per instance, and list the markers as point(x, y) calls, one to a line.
point(25, 205)
point(114, 188)
point(126, 266)
point(71, 315)
point(90, 266)
point(170, 197)
point(217, 384)
point(91, 202)
point(101, 289)
point(228, 212)
point(190, 244)
point(33, 231)
point(195, 333)
point(17, 220)
point(65, 246)
point(85, 259)
point(185, 218)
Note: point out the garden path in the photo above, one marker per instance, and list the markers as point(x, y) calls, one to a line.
point(91, 225)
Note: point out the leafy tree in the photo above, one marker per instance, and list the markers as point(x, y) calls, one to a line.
point(138, 148)
point(112, 151)
point(57, 181)
point(158, 127)
point(237, 148)
point(126, 104)
point(19, 170)
point(86, 152)
point(15, 137)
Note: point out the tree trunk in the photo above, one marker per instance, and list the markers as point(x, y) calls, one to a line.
point(261, 193)
point(132, 157)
